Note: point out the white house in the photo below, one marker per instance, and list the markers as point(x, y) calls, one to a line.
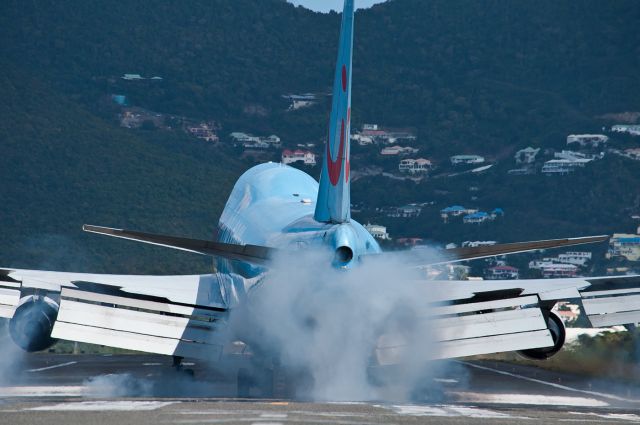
point(203, 131)
point(578, 258)
point(502, 272)
point(289, 157)
point(624, 128)
point(467, 159)
point(398, 150)
point(414, 166)
point(587, 140)
point(377, 231)
point(563, 166)
point(132, 77)
point(526, 155)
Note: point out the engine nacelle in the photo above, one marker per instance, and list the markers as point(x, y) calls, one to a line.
point(559, 334)
point(32, 323)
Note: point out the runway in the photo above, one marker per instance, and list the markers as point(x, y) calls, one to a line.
point(45, 389)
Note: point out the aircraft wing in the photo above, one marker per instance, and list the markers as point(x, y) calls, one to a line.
point(432, 257)
point(481, 317)
point(171, 315)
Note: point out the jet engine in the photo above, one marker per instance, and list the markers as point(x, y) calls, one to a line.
point(32, 323)
point(559, 334)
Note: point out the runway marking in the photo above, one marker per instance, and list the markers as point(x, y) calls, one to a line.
point(445, 381)
point(446, 411)
point(42, 391)
point(535, 399)
point(103, 406)
point(551, 384)
point(619, 416)
point(273, 415)
point(51, 367)
point(151, 364)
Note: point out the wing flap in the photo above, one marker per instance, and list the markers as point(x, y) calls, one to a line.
point(9, 298)
point(130, 323)
point(473, 328)
point(610, 302)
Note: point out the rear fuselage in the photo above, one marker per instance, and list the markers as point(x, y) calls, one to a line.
point(273, 205)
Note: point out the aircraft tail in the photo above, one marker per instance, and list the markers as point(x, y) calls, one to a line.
point(334, 195)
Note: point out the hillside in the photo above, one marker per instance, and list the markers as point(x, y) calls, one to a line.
point(472, 77)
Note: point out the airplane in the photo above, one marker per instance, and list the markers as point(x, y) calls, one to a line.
point(277, 211)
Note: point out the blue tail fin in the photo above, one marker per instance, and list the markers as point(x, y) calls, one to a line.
point(334, 196)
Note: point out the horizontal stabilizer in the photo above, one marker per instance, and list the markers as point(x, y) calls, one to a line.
point(250, 253)
point(472, 253)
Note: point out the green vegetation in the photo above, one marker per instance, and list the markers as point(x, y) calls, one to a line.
point(486, 78)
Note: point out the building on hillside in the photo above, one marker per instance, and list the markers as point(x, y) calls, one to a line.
point(377, 231)
point(550, 269)
point(456, 211)
point(501, 273)
point(475, 244)
point(298, 155)
point(132, 77)
point(387, 135)
point(634, 130)
point(204, 131)
point(526, 156)
point(563, 166)
point(587, 140)
point(467, 159)
point(300, 101)
point(249, 141)
point(409, 242)
point(574, 156)
point(398, 150)
point(414, 166)
point(578, 258)
point(625, 245)
point(476, 218)
point(406, 211)
point(633, 153)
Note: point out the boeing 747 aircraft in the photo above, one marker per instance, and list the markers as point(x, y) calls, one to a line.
point(274, 211)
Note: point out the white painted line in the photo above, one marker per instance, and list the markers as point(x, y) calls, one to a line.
point(613, 416)
point(104, 406)
point(445, 381)
point(51, 367)
point(274, 415)
point(531, 399)
point(551, 384)
point(151, 364)
point(446, 411)
point(42, 391)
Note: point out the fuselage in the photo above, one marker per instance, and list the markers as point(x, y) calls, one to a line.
point(273, 205)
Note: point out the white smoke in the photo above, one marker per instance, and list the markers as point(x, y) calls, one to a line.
point(328, 323)
point(12, 357)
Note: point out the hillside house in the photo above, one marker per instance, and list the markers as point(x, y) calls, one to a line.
point(467, 159)
point(634, 130)
point(625, 245)
point(398, 150)
point(377, 231)
point(249, 141)
point(406, 211)
point(633, 153)
point(563, 166)
point(502, 272)
point(414, 166)
point(300, 101)
point(387, 135)
point(204, 131)
point(475, 244)
point(578, 258)
point(587, 140)
point(298, 155)
point(476, 218)
point(132, 77)
point(526, 156)
point(455, 211)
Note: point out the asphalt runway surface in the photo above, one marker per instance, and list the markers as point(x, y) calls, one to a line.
point(133, 389)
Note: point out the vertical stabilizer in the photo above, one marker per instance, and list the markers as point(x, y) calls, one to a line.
point(334, 196)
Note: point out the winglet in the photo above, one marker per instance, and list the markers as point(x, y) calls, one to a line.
point(334, 196)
